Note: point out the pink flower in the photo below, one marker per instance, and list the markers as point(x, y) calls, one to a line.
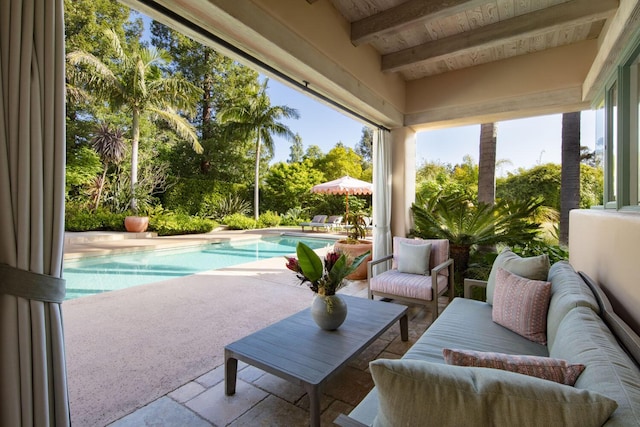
point(293, 265)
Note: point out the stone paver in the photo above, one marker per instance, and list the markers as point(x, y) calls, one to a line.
point(220, 409)
point(162, 412)
point(273, 411)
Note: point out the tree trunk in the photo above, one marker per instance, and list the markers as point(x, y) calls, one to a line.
point(570, 181)
point(135, 138)
point(487, 166)
point(104, 175)
point(256, 191)
point(460, 255)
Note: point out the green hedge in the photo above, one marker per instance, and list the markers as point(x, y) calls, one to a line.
point(171, 224)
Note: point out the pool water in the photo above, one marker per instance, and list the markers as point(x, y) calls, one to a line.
point(87, 276)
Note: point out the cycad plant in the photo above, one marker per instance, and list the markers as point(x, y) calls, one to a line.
point(467, 224)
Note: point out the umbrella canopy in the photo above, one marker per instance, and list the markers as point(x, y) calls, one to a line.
point(345, 185)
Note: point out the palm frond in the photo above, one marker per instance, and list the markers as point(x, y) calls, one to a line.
point(180, 125)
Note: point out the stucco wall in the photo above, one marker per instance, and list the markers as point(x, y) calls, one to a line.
point(606, 246)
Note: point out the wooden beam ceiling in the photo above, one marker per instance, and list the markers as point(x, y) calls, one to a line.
point(573, 13)
point(412, 11)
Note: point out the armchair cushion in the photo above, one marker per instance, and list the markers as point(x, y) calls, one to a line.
point(439, 251)
point(406, 285)
point(414, 259)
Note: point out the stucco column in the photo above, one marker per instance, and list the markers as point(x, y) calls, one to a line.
point(403, 183)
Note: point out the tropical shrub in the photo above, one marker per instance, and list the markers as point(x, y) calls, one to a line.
point(268, 219)
point(81, 219)
point(226, 206)
point(469, 225)
point(293, 216)
point(238, 221)
point(171, 223)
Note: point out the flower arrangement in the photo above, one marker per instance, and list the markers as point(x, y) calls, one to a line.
point(322, 278)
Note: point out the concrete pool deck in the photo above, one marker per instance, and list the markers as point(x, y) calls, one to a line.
point(153, 354)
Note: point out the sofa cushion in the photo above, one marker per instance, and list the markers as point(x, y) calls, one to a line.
point(415, 392)
point(568, 291)
point(414, 259)
point(535, 268)
point(467, 324)
point(547, 368)
point(521, 305)
point(582, 337)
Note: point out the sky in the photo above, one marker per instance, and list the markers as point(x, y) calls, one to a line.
point(524, 143)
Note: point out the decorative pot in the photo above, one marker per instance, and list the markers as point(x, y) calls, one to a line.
point(353, 251)
point(329, 311)
point(136, 224)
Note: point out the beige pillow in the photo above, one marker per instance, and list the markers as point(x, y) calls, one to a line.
point(547, 368)
point(535, 268)
point(521, 305)
point(417, 393)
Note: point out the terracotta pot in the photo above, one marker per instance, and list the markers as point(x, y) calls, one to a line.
point(136, 224)
point(353, 251)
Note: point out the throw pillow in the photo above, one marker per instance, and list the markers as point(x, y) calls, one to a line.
point(547, 368)
point(414, 259)
point(414, 392)
point(535, 268)
point(521, 305)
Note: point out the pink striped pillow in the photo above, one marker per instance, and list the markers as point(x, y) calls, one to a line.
point(521, 305)
point(547, 368)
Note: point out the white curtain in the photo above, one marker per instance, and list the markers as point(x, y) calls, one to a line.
point(381, 193)
point(33, 381)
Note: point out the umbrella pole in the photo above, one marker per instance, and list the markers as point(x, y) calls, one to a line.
point(346, 219)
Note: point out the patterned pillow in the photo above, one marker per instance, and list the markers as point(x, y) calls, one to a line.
point(535, 267)
point(521, 305)
point(547, 368)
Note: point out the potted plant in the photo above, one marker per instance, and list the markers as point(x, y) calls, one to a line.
point(355, 245)
point(324, 279)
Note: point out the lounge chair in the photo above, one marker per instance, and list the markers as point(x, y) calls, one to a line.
point(317, 221)
point(334, 222)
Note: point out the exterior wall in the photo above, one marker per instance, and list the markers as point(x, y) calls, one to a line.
point(604, 245)
point(403, 181)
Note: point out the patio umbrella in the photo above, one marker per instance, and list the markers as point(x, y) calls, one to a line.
point(345, 185)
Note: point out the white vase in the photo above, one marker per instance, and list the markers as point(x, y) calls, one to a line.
point(328, 312)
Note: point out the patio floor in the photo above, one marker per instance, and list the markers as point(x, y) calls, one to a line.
point(197, 398)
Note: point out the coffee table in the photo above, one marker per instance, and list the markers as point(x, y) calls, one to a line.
point(297, 350)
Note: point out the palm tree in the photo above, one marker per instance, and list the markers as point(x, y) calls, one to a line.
point(109, 144)
point(256, 116)
point(465, 224)
point(570, 176)
point(136, 83)
point(487, 165)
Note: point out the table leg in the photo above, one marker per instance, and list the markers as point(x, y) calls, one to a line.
point(230, 373)
point(404, 328)
point(314, 405)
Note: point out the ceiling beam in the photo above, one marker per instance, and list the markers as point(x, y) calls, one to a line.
point(367, 29)
point(572, 13)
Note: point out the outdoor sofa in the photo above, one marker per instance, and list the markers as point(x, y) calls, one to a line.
point(581, 328)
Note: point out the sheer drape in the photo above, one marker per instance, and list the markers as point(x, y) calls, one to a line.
point(381, 193)
point(33, 383)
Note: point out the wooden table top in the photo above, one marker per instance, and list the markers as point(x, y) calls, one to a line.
point(302, 352)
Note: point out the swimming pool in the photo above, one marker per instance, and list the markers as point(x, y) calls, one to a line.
point(88, 276)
